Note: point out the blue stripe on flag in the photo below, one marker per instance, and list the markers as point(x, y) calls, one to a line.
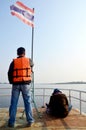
point(22, 12)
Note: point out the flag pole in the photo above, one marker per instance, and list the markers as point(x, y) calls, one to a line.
point(32, 60)
point(32, 41)
point(33, 71)
point(32, 44)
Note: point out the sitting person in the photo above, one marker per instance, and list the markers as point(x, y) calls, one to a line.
point(58, 105)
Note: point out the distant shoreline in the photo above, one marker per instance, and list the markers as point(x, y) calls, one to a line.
point(73, 82)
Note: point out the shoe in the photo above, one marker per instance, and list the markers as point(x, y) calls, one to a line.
point(11, 125)
point(29, 124)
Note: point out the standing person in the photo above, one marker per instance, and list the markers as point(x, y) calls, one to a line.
point(19, 75)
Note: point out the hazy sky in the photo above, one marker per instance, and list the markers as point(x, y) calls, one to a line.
point(59, 39)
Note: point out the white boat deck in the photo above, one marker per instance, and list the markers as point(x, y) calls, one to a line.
point(74, 121)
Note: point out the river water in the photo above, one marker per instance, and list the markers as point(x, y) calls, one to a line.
point(5, 92)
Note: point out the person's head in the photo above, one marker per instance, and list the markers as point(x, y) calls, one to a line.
point(56, 91)
point(21, 51)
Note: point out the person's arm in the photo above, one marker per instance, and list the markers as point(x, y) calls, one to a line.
point(10, 73)
point(51, 101)
point(31, 64)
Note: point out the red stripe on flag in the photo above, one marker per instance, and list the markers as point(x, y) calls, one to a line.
point(24, 7)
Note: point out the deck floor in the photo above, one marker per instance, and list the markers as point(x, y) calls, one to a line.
point(74, 121)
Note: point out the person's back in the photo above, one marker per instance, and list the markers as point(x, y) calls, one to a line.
point(59, 105)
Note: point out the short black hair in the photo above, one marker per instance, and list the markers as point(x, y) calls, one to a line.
point(20, 51)
point(56, 90)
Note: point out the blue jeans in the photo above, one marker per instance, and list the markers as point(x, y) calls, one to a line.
point(69, 107)
point(16, 89)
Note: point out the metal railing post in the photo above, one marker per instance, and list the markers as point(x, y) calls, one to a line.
point(43, 97)
point(70, 96)
point(80, 102)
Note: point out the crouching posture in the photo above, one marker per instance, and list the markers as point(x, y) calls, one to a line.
point(58, 105)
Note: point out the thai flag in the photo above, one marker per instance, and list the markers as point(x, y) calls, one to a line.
point(23, 12)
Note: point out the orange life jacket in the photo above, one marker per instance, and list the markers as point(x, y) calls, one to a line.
point(22, 70)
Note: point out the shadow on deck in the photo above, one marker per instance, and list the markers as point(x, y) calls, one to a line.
point(74, 121)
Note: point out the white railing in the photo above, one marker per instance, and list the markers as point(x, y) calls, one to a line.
point(42, 95)
point(76, 97)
